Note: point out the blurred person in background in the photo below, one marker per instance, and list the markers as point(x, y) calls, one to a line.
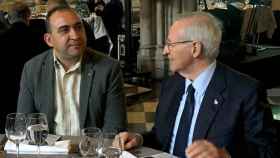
point(4, 24)
point(102, 40)
point(16, 49)
point(112, 17)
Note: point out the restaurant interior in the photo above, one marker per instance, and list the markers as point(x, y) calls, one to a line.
point(250, 44)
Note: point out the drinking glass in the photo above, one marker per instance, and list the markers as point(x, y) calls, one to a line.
point(37, 129)
point(90, 143)
point(111, 145)
point(16, 128)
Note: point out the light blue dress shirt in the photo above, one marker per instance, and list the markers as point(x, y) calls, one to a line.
point(200, 84)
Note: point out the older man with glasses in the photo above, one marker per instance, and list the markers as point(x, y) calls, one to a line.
point(206, 109)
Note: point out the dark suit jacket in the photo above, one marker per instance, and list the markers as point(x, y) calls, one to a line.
point(101, 93)
point(15, 51)
point(230, 115)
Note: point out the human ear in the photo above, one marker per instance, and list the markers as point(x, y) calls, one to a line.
point(48, 39)
point(196, 48)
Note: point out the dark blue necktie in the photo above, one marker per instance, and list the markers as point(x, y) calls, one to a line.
point(182, 135)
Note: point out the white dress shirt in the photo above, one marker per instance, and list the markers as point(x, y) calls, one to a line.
point(67, 95)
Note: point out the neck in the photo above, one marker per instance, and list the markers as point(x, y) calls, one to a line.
point(67, 62)
point(194, 70)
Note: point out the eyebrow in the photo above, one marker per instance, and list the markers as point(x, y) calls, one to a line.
point(64, 26)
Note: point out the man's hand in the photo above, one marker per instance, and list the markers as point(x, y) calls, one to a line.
point(205, 149)
point(129, 140)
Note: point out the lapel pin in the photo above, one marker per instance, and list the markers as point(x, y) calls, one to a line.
point(216, 102)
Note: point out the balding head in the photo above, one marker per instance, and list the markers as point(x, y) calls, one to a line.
point(58, 8)
point(202, 27)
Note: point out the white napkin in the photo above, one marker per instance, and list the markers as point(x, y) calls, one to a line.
point(126, 154)
point(163, 155)
point(59, 148)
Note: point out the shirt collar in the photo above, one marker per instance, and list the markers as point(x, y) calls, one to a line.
point(201, 82)
point(57, 64)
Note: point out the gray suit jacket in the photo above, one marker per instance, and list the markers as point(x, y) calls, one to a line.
point(101, 94)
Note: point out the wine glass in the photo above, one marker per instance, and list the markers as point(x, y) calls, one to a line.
point(37, 129)
point(111, 145)
point(16, 128)
point(90, 142)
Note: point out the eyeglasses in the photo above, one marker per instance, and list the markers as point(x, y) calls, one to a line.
point(173, 44)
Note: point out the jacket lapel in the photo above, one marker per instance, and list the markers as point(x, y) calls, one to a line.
point(87, 75)
point(47, 90)
point(211, 103)
point(173, 102)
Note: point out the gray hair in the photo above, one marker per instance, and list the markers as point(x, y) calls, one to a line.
point(206, 29)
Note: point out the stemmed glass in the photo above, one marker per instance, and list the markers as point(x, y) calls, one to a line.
point(37, 129)
point(16, 128)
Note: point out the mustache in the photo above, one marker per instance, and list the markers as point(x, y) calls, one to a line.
point(75, 42)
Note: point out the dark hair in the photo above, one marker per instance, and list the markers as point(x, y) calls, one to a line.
point(53, 10)
point(92, 4)
point(18, 11)
point(54, 3)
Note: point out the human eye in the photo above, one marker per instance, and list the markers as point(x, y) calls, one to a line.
point(63, 29)
point(79, 27)
point(167, 43)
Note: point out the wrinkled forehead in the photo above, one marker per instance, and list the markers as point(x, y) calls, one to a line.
point(176, 30)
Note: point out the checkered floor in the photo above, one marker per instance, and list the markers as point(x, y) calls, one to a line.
point(141, 116)
point(141, 108)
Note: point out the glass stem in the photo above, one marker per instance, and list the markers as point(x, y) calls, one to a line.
point(17, 146)
point(38, 149)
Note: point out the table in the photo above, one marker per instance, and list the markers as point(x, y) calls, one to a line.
point(134, 92)
point(262, 66)
point(140, 152)
point(268, 53)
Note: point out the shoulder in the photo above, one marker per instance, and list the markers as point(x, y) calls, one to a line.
point(237, 84)
point(235, 77)
point(40, 59)
point(99, 59)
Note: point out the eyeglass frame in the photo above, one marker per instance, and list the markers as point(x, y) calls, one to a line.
point(173, 44)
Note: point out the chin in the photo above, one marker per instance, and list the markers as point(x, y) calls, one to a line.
point(172, 69)
point(76, 52)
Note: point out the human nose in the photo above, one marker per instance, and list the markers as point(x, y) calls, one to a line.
point(165, 50)
point(74, 34)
